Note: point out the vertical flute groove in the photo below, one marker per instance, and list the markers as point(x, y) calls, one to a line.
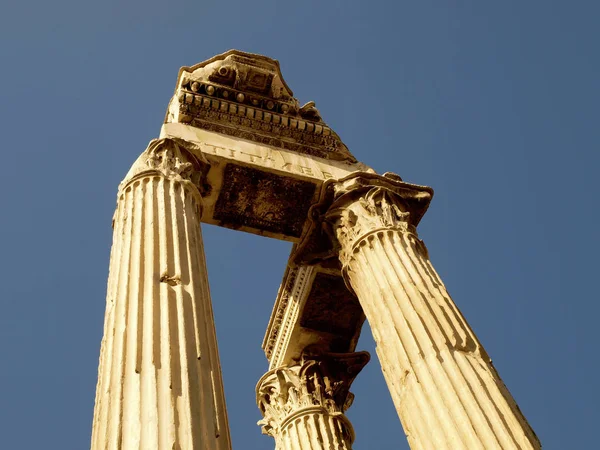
point(149, 400)
point(454, 403)
point(314, 432)
point(130, 430)
point(166, 406)
point(400, 323)
point(481, 420)
point(200, 332)
point(481, 423)
point(448, 397)
point(153, 390)
point(478, 422)
point(444, 387)
point(303, 405)
point(120, 330)
point(383, 321)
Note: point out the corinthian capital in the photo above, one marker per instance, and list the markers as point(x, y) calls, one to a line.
point(356, 206)
point(319, 384)
point(174, 159)
point(376, 209)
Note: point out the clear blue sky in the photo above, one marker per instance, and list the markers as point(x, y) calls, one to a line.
point(493, 104)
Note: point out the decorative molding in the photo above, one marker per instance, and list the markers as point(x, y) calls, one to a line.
point(159, 377)
point(376, 209)
point(283, 298)
point(283, 316)
point(166, 157)
point(355, 206)
point(321, 381)
point(174, 159)
point(244, 95)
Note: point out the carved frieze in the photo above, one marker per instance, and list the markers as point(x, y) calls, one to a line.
point(285, 311)
point(313, 310)
point(255, 198)
point(244, 95)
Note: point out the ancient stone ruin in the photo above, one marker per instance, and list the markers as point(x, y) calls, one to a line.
point(238, 150)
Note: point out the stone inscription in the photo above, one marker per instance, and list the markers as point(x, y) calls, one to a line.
point(269, 158)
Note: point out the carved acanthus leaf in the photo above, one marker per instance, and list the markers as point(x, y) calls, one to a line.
point(322, 381)
point(377, 208)
point(354, 207)
point(174, 159)
point(168, 160)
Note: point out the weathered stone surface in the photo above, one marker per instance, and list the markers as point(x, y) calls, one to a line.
point(445, 389)
point(253, 198)
point(237, 110)
point(244, 95)
point(280, 170)
point(318, 244)
point(331, 308)
point(237, 150)
point(159, 378)
point(314, 311)
point(303, 404)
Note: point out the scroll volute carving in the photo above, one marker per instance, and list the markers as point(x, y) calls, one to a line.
point(168, 157)
point(174, 159)
point(365, 211)
point(355, 206)
point(318, 381)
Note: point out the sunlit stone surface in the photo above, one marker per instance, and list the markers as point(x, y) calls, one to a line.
point(304, 404)
point(445, 389)
point(237, 150)
point(159, 382)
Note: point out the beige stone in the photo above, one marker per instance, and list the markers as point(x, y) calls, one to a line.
point(159, 379)
point(445, 389)
point(303, 405)
point(314, 311)
point(257, 188)
point(269, 156)
point(237, 150)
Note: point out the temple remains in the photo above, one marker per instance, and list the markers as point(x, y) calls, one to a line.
point(239, 151)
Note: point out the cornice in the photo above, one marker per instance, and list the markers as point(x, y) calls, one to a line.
point(244, 95)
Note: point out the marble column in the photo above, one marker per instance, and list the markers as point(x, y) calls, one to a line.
point(159, 378)
point(303, 405)
point(443, 384)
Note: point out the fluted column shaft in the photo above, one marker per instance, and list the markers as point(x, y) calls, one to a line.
point(445, 389)
point(315, 428)
point(303, 405)
point(159, 383)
